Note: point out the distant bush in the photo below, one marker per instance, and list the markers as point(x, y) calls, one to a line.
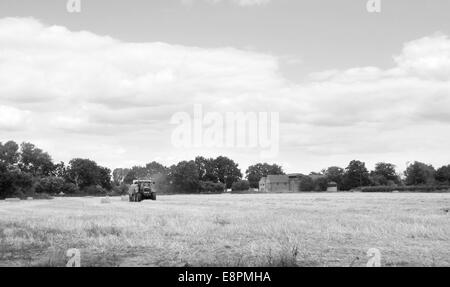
point(211, 187)
point(41, 196)
point(241, 185)
point(94, 190)
point(50, 185)
point(70, 188)
point(321, 184)
point(55, 185)
point(120, 189)
point(19, 194)
point(306, 184)
point(413, 188)
point(14, 183)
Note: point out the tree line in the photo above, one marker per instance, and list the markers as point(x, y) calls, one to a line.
point(217, 174)
point(28, 170)
point(356, 175)
point(194, 176)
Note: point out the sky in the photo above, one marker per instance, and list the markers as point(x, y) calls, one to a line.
point(347, 84)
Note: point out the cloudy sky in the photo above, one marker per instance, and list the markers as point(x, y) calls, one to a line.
point(348, 84)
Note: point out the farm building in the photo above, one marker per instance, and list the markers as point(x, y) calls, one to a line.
point(274, 183)
point(280, 183)
point(288, 183)
point(332, 187)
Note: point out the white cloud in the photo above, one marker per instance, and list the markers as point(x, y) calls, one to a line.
point(428, 57)
point(13, 119)
point(81, 94)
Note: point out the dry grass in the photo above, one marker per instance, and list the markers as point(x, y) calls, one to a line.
point(229, 230)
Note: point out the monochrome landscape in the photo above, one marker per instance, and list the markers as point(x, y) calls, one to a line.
point(224, 133)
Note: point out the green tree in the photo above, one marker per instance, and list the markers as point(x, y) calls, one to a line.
point(104, 177)
point(419, 173)
point(141, 172)
point(443, 174)
point(384, 173)
point(356, 175)
point(85, 172)
point(119, 175)
point(227, 171)
point(9, 153)
point(335, 174)
point(35, 161)
point(155, 168)
point(130, 176)
point(59, 170)
point(13, 182)
point(184, 176)
point(254, 173)
point(51, 185)
point(206, 168)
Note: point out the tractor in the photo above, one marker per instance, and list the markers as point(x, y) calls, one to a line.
point(142, 189)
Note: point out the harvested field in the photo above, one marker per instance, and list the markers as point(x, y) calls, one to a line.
point(308, 229)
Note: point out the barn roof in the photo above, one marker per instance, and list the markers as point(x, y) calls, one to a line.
point(278, 178)
point(295, 175)
point(316, 176)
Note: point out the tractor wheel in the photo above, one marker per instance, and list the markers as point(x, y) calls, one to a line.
point(153, 196)
point(138, 197)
